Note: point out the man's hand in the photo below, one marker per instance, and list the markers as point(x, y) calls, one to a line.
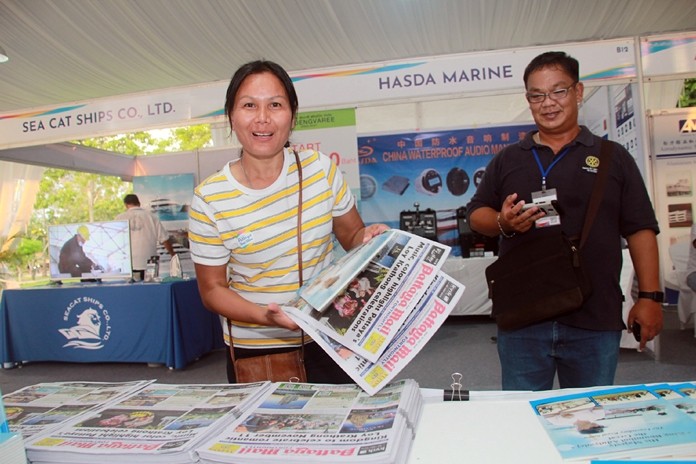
point(513, 219)
point(648, 314)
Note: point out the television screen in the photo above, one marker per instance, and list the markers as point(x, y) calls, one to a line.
point(90, 250)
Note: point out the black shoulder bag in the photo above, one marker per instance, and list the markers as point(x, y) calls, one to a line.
point(543, 279)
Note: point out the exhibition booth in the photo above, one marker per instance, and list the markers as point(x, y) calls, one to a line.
point(405, 134)
point(155, 323)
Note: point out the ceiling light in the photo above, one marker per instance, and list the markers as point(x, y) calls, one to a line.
point(3, 55)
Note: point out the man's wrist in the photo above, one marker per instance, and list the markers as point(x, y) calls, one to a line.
point(502, 231)
point(656, 296)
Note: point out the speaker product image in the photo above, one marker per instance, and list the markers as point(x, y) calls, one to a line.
point(457, 181)
point(478, 176)
point(368, 186)
point(429, 182)
point(421, 223)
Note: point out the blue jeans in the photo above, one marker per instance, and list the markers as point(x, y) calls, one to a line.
point(530, 357)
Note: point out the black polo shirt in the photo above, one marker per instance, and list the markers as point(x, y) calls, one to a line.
point(624, 210)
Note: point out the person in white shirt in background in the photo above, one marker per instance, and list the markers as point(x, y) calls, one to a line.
point(146, 231)
point(691, 264)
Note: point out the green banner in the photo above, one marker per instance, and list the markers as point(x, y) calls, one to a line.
point(325, 119)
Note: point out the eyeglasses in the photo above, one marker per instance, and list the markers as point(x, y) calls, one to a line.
point(556, 95)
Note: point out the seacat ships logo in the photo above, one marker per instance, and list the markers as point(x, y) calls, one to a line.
point(91, 327)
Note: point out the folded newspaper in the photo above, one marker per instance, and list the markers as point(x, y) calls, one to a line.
point(300, 423)
point(45, 406)
point(421, 324)
point(158, 423)
point(362, 299)
point(146, 422)
point(376, 307)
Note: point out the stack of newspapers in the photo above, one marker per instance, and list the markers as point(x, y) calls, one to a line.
point(12, 448)
point(147, 422)
point(636, 422)
point(11, 443)
point(301, 423)
point(160, 423)
point(376, 307)
point(45, 406)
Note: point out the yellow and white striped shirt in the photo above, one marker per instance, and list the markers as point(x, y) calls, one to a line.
point(254, 232)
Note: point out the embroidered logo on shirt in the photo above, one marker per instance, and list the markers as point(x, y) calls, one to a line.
point(591, 164)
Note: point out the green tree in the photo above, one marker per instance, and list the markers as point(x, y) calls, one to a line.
point(192, 138)
point(70, 197)
point(8, 258)
point(23, 255)
point(688, 96)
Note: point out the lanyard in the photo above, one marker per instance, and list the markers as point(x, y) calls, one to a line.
point(545, 173)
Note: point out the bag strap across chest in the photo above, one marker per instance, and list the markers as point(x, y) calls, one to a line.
point(597, 190)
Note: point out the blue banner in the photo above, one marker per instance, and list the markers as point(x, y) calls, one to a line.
point(438, 170)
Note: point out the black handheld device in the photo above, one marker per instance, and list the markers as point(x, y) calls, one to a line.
point(635, 328)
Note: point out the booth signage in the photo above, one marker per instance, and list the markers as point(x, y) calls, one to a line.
point(438, 170)
point(667, 56)
point(482, 72)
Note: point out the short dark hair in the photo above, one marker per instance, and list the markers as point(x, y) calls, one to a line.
point(259, 67)
point(131, 199)
point(550, 59)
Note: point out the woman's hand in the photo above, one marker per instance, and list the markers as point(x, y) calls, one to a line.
point(372, 230)
point(277, 317)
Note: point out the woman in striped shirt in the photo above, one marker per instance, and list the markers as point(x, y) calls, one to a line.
point(243, 222)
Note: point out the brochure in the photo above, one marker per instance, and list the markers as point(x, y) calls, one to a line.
point(159, 423)
point(616, 423)
point(45, 406)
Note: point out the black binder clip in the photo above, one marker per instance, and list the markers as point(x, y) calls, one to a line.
point(456, 393)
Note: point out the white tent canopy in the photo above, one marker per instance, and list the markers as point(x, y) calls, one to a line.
point(70, 51)
point(65, 51)
point(75, 51)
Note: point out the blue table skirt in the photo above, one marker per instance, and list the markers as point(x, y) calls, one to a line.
point(163, 323)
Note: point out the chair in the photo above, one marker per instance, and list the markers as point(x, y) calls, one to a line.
point(686, 305)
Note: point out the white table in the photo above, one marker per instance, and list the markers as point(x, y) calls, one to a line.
point(471, 273)
point(496, 432)
point(495, 427)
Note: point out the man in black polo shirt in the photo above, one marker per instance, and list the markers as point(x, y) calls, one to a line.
point(559, 162)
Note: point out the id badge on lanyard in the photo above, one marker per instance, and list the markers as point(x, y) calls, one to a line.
point(544, 197)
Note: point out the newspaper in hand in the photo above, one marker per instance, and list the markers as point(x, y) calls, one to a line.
point(430, 313)
point(363, 299)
